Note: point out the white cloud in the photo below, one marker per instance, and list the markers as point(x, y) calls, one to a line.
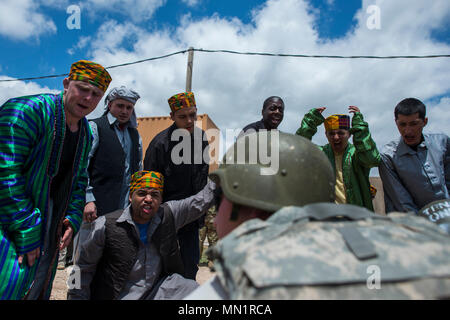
point(231, 88)
point(81, 44)
point(191, 3)
point(438, 116)
point(136, 10)
point(20, 88)
point(21, 19)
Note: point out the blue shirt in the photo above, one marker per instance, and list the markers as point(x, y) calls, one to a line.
point(413, 178)
point(143, 231)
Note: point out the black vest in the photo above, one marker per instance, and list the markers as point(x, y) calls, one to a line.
point(107, 166)
point(121, 250)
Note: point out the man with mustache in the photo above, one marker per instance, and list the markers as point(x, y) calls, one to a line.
point(133, 253)
point(351, 162)
point(272, 115)
point(43, 158)
point(415, 169)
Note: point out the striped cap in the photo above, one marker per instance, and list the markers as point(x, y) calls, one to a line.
point(90, 72)
point(146, 179)
point(337, 121)
point(181, 100)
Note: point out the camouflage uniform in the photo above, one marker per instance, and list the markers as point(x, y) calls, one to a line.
point(311, 248)
point(290, 257)
point(208, 230)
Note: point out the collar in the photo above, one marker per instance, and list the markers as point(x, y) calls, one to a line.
point(403, 148)
point(126, 217)
point(132, 123)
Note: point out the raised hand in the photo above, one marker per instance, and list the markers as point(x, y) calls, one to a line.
point(353, 109)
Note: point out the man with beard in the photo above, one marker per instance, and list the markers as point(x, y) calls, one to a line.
point(272, 115)
point(351, 162)
point(415, 169)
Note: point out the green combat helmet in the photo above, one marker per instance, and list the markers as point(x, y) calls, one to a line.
point(262, 169)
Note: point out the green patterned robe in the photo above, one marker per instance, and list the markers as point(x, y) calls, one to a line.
point(32, 130)
point(357, 160)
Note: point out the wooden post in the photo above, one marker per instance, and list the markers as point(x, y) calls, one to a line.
point(189, 69)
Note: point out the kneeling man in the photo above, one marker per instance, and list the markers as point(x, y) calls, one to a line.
point(133, 253)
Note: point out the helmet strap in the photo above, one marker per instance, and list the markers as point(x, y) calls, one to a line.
point(234, 212)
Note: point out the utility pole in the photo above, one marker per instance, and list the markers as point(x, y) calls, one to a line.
point(189, 69)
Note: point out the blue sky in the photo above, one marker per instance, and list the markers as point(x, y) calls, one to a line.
point(36, 41)
point(47, 54)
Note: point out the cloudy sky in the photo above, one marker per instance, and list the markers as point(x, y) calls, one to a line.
point(43, 37)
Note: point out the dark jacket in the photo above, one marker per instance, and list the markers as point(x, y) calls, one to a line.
point(180, 180)
point(121, 249)
point(256, 126)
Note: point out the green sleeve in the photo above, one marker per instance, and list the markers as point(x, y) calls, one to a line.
point(366, 149)
point(309, 125)
point(19, 130)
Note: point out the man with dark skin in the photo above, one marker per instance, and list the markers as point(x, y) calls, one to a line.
point(272, 115)
point(133, 253)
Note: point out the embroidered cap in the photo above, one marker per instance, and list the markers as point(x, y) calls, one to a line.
point(181, 100)
point(146, 179)
point(90, 72)
point(337, 121)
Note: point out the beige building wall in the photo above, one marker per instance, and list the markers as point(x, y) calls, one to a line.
point(149, 127)
point(378, 201)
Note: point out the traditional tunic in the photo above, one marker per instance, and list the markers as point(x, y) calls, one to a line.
point(32, 132)
point(358, 158)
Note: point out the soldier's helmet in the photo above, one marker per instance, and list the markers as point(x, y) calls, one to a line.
point(438, 212)
point(268, 170)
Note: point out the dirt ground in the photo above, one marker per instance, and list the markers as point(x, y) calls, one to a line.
point(59, 291)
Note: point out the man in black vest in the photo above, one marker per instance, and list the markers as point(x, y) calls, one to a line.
point(180, 153)
point(133, 253)
point(115, 155)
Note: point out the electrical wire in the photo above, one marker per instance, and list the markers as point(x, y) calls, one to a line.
point(284, 55)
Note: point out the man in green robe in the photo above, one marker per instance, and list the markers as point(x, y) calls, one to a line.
point(351, 162)
point(45, 142)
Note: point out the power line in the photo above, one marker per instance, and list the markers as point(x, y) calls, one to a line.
point(284, 55)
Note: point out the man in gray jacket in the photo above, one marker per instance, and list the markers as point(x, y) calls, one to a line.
point(133, 253)
point(415, 168)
